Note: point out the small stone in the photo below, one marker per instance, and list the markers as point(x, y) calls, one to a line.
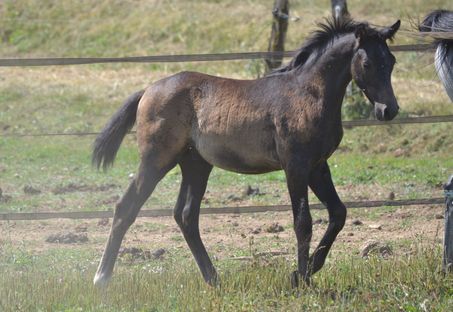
point(235, 223)
point(399, 152)
point(439, 216)
point(357, 222)
point(375, 226)
point(350, 234)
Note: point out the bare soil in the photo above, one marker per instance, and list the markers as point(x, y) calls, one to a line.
point(239, 236)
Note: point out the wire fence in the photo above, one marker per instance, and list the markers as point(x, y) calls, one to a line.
point(213, 210)
point(346, 123)
point(210, 57)
point(23, 62)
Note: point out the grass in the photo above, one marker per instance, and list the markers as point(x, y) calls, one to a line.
point(63, 164)
point(411, 161)
point(62, 281)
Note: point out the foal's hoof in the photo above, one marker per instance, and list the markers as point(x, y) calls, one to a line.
point(101, 280)
point(214, 281)
point(295, 279)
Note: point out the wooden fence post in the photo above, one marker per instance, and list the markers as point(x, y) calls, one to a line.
point(448, 239)
point(280, 15)
point(340, 9)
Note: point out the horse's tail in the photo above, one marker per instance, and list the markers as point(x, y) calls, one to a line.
point(109, 140)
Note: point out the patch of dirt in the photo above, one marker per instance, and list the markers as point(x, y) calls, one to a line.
point(253, 191)
point(375, 248)
point(136, 254)
point(404, 231)
point(67, 238)
point(28, 189)
point(72, 188)
point(274, 228)
point(103, 222)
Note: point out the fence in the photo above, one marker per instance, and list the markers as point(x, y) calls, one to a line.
point(217, 57)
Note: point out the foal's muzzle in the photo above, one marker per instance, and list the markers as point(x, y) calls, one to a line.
point(385, 112)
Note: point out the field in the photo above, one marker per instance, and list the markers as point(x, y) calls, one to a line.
point(54, 173)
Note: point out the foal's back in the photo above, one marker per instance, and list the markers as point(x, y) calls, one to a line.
point(234, 124)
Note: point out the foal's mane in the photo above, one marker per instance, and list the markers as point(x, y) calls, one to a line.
point(319, 40)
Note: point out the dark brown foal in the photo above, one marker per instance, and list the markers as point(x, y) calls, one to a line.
point(289, 120)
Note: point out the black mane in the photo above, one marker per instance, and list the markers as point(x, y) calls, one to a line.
point(319, 40)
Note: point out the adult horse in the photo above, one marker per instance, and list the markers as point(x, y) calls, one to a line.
point(289, 120)
point(442, 21)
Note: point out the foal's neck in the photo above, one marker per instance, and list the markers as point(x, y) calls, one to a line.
point(331, 71)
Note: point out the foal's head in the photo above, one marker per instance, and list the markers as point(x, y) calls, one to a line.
point(372, 66)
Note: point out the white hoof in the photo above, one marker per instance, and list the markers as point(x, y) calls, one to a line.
point(101, 280)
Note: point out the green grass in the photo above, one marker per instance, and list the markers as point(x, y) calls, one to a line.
point(62, 281)
point(410, 161)
point(49, 166)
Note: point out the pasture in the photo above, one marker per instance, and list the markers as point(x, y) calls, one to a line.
point(54, 173)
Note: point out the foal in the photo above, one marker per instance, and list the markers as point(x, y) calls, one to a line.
point(289, 120)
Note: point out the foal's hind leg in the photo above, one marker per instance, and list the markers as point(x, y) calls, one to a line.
point(322, 185)
point(195, 174)
point(125, 213)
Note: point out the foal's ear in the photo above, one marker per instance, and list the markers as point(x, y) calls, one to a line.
point(360, 32)
point(389, 32)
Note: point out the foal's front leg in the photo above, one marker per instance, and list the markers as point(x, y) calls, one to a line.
point(297, 180)
point(322, 185)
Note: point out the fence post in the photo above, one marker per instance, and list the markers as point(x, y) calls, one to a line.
point(280, 15)
point(448, 239)
point(340, 9)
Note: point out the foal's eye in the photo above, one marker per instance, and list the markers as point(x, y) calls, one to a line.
point(366, 64)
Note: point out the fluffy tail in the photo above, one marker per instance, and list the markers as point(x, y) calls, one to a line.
point(109, 140)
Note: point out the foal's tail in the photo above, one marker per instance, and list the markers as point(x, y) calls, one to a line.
point(109, 140)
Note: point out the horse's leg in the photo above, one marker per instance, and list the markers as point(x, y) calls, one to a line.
point(195, 174)
point(297, 180)
point(126, 211)
point(321, 184)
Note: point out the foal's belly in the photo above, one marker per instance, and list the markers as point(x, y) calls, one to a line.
point(241, 153)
